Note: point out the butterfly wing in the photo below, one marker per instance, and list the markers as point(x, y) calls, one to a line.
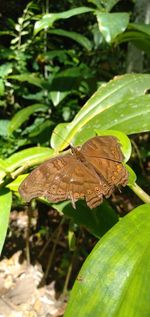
point(61, 178)
point(85, 183)
point(105, 155)
point(47, 177)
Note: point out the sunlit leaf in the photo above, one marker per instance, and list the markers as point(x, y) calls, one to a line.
point(112, 24)
point(5, 206)
point(15, 183)
point(28, 157)
point(121, 104)
point(114, 280)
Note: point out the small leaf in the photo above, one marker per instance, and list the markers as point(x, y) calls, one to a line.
point(5, 207)
point(5, 69)
point(21, 116)
point(4, 123)
point(16, 183)
point(112, 24)
point(132, 176)
point(71, 240)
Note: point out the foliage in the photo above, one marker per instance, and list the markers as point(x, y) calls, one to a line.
point(54, 62)
point(112, 280)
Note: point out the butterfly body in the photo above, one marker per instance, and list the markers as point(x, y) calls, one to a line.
point(89, 172)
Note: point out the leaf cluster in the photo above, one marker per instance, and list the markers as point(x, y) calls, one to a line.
point(53, 65)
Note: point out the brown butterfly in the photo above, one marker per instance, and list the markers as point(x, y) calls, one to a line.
point(89, 172)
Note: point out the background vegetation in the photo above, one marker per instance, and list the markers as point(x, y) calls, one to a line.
point(54, 56)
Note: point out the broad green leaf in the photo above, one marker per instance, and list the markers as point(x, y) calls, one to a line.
point(112, 24)
point(30, 78)
point(97, 221)
point(22, 115)
point(5, 207)
point(82, 40)
point(121, 104)
point(49, 19)
point(114, 280)
point(29, 157)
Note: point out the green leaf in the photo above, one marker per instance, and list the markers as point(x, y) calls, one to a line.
point(137, 37)
point(30, 78)
point(63, 83)
point(82, 40)
point(97, 221)
point(121, 104)
point(132, 176)
point(2, 87)
point(22, 115)
point(112, 24)
point(145, 28)
point(16, 183)
point(114, 280)
point(4, 127)
point(49, 19)
point(3, 169)
point(5, 70)
point(104, 4)
point(5, 207)
point(60, 134)
point(29, 157)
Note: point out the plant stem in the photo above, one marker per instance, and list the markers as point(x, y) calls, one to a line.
point(140, 193)
point(28, 237)
point(51, 257)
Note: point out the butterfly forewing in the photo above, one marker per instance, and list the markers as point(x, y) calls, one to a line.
point(103, 147)
point(105, 155)
point(41, 179)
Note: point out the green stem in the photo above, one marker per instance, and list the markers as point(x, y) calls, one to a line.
point(140, 193)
